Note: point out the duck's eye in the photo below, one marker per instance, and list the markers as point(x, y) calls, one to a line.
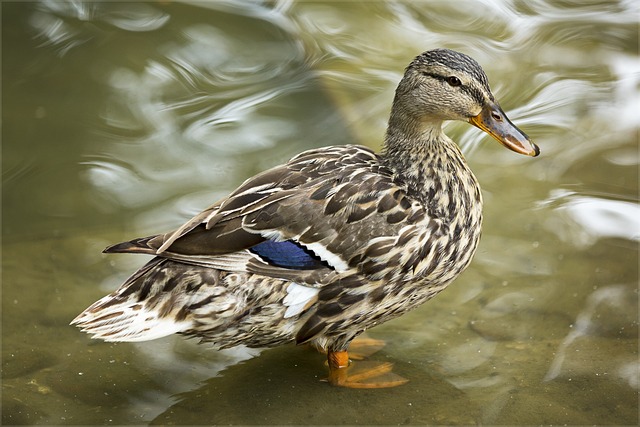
point(454, 81)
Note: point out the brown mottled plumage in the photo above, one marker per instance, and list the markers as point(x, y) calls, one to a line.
point(335, 241)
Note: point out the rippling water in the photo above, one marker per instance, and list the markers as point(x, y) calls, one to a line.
point(124, 119)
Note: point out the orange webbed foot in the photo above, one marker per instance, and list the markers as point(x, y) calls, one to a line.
point(363, 347)
point(369, 374)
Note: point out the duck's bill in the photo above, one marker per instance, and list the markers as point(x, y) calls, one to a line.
point(495, 122)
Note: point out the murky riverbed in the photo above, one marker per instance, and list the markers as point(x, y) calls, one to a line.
point(124, 119)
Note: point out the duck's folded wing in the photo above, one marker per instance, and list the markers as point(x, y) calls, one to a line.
point(312, 217)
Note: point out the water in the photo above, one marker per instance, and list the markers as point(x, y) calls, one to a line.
point(124, 119)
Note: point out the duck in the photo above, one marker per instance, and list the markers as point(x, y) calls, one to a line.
point(336, 241)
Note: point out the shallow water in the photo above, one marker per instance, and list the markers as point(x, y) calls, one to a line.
point(124, 119)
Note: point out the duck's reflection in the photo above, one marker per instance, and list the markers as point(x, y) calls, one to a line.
point(284, 386)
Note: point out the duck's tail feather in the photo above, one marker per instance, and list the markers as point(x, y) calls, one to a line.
point(145, 307)
point(143, 245)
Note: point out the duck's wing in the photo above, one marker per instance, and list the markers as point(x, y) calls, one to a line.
point(319, 214)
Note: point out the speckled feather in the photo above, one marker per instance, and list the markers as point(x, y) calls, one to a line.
point(389, 231)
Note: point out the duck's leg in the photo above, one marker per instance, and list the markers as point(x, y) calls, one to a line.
point(368, 374)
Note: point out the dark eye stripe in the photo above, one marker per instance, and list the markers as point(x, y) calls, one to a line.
point(471, 91)
point(435, 76)
point(451, 80)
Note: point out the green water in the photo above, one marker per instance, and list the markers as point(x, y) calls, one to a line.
point(124, 119)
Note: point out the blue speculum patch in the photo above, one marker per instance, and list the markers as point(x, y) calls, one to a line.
point(287, 254)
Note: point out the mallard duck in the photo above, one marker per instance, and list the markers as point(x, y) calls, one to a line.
point(334, 242)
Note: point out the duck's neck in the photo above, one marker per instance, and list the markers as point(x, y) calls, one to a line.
point(433, 170)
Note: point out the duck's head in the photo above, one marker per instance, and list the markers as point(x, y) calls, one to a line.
point(441, 85)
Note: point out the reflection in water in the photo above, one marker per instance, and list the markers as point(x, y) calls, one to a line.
point(64, 24)
point(609, 301)
point(200, 96)
point(183, 367)
point(582, 220)
point(184, 100)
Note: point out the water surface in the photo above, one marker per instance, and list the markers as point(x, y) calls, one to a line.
point(124, 119)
